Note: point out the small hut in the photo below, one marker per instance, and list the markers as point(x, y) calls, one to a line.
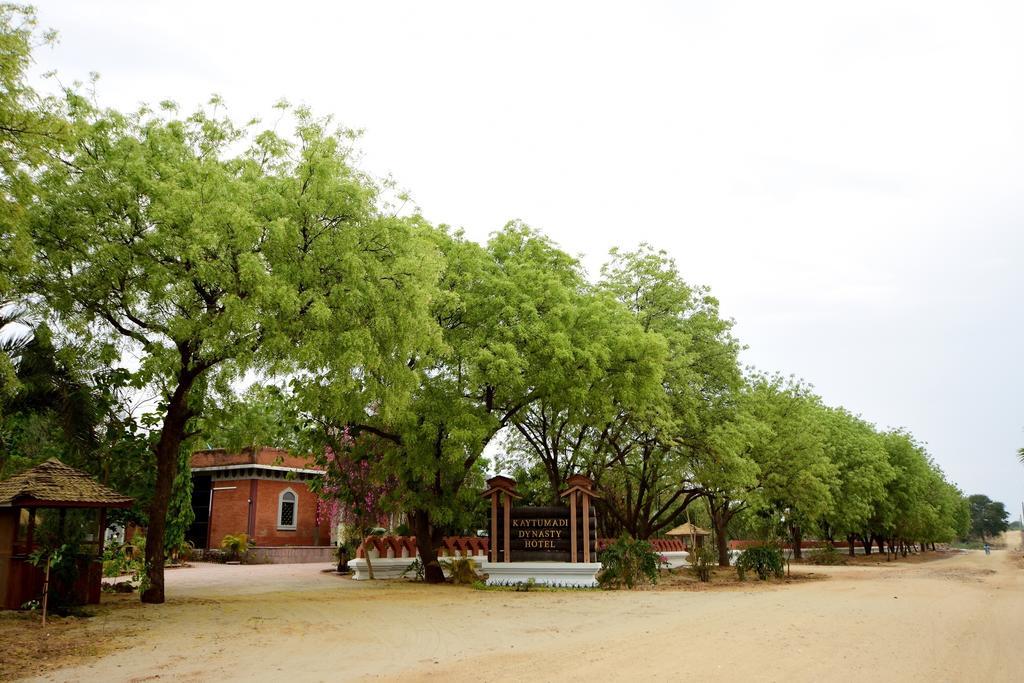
point(692, 534)
point(47, 493)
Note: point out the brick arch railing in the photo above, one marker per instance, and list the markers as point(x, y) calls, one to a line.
point(472, 546)
point(405, 546)
point(662, 545)
point(804, 545)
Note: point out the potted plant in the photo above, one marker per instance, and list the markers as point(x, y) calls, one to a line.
point(236, 546)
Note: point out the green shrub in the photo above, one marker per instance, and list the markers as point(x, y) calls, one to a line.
point(702, 560)
point(64, 571)
point(182, 552)
point(828, 555)
point(764, 560)
point(416, 567)
point(236, 545)
point(117, 560)
point(628, 562)
point(461, 570)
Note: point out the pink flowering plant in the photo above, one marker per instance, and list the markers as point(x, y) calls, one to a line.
point(355, 489)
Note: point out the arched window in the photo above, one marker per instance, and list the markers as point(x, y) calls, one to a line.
point(287, 512)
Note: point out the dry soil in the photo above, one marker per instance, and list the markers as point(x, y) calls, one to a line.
point(954, 619)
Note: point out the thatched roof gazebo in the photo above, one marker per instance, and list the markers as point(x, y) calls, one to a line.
point(50, 486)
point(691, 531)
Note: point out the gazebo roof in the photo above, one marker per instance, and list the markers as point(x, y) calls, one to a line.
point(688, 530)
point(54, 484)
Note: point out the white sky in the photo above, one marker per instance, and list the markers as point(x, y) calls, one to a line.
point(847, 177)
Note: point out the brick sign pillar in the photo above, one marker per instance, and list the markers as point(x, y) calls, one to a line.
point(579, 493)
point(501, 491)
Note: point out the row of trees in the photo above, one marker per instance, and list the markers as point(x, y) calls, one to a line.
point(754, 450)
point(188, 252)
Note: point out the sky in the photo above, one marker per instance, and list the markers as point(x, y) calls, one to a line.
point(848, 178)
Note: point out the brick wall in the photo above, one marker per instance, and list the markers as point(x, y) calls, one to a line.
point(230, 512)
point(276, 456)
point(266, 531)
point(293, 555)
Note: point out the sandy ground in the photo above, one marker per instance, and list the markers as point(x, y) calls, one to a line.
point(956, 619)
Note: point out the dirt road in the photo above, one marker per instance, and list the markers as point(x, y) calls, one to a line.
point(957, 619)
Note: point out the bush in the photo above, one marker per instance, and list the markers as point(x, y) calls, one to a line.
point(827, 555)
point(236, 545)
point(628, 562)
point(63, 563)
point(183, 552)
point(118, 587)
point(117, 560)
point(416, 568)
point(763, 560)
point(461, 570)
point(702, 560)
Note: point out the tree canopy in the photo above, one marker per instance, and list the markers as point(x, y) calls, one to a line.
point(175, 256)
point(988, 517)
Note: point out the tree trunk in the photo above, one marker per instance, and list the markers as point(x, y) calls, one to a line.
point(168, 452)
point(427, 540)
point(722, 545)
point(369, 565)
point(720, 521)
point(797, 538)
point(866, 541)
point(554, 482)
point(850, 538)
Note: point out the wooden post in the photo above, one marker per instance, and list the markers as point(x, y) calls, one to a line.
point(586, 528)
point(581, 489)
point(494, 527)
point(506, 488)
point(46, 589)
point(572, 526)
point(30, 534)
point(508, 527)
point(102, 532)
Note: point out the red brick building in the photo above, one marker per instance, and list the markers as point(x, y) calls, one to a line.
point(261, 492)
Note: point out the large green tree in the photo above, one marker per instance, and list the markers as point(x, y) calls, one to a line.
point(988, 517)
point(618, 370)
point(645, 458)
point(502, 318)
point(261, 415)
point(863, 473)
point(156, 234)
point(33, 130)
point(771, 459)
point(919, 506)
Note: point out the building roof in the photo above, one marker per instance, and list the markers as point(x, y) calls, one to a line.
point(54, 484)
point(688, 530)
point(274, 458)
